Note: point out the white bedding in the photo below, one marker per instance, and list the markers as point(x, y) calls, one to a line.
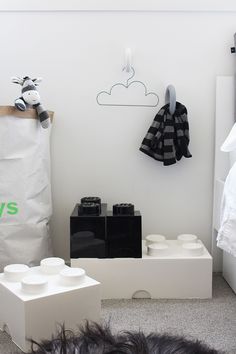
point(226, 238)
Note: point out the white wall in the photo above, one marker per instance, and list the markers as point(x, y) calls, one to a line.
point(95, 150)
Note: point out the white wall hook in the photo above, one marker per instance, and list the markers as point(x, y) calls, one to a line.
point(128, 60)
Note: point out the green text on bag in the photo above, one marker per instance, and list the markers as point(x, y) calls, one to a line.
point(8, 208)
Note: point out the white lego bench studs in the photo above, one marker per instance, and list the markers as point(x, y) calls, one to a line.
point(52, 265)
point(186, 238)
point(72, 276)
point(34, 301)
point(193, 249)
point(34, 284)
point(154, 239)
point(16, 272)
point(157, 249)
point(185, 245)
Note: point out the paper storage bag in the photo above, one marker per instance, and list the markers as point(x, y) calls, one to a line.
point(25, 188)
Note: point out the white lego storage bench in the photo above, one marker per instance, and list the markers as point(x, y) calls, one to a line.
point(34, 301)
point(168, 269)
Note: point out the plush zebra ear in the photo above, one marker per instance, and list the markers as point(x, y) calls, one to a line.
point(37, 81)
point(17, 80)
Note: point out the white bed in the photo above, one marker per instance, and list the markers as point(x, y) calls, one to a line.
point(225, 118)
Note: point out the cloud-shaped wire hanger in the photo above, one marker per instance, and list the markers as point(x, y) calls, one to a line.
point(132, 93)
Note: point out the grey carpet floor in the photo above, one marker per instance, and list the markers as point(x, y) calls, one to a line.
point(211, 321)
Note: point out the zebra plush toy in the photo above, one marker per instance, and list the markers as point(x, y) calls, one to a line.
point(30, 98)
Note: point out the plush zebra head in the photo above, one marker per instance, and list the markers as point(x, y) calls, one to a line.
point(29, 90)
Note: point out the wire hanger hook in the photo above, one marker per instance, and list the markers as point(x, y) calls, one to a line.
point(128, 64)
point(128, 60)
